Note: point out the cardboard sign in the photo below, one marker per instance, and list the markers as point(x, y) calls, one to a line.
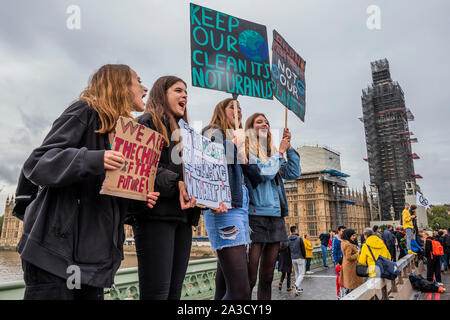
point(288, 74)
point(205, 169)
point(229, 54)
point(141, 147)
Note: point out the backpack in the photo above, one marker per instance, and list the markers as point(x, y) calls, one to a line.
point(26, 192)
point(384, 267)
point(437, 248)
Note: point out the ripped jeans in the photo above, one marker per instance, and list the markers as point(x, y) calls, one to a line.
point(228, 229)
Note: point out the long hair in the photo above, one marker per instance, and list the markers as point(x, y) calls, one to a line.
point(109, 94)
point(256, 145)
point(158, 106)
point(219, 118)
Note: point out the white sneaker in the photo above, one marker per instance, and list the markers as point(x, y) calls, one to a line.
point(309, 272)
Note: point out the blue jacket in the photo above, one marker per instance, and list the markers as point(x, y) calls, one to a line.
point(336, 251)
point(388, 238)
point(269, 197)
point(238, 174)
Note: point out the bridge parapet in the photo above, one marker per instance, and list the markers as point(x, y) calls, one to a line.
point(199, 282)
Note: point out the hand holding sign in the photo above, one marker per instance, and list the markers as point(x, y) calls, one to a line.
point(185, 201)
point(113, 160)
point(222, 209)
point(239, 141)
point(287, 134)
point(284, 145)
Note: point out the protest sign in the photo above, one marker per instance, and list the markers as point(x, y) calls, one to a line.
point(141, 147)
point(288, 75)
point(229, 54)
point(205, 169)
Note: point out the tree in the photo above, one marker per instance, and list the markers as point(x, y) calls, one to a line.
point(1, 224)
point(438, 218)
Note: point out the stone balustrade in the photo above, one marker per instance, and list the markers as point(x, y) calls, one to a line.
point(199, 283)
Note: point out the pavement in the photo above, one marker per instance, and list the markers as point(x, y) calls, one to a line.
point(319, 286)
point(322, 286)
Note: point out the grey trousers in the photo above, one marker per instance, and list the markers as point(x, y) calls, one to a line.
point(299, 271)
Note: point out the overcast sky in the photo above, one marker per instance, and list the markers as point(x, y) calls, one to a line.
point(44, 66)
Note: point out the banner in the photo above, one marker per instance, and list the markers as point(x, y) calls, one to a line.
point(229, 54)
point(422, 201)
point(288, 75)
point(205, 168)
point(141, 147)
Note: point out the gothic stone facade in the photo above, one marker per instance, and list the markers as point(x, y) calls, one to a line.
point(313, 207)
point(12, 228)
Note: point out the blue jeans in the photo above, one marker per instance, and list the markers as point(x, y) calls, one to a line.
point(229, 229)
point(308, 264)
point(409, 234)
point(324, 254)
point(444, 262)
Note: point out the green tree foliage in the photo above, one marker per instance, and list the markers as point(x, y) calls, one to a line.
point(438, 218)
point(1, 223)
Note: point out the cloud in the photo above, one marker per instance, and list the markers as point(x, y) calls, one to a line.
point(46, 66)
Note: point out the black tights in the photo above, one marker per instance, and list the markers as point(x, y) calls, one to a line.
point(286, 275)
point(162, 249)
point(232, 275)
point(268, 254)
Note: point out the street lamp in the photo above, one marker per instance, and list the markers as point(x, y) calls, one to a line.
point(392, 216)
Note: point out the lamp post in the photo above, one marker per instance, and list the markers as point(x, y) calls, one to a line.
point(392, 216)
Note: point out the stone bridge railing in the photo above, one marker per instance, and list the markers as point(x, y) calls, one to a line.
point(383, 289)
point(199, 283)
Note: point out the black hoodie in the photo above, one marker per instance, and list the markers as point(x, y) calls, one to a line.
point(69, 222)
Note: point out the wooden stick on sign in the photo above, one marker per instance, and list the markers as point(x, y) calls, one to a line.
point(235, 106)
point(285, 116)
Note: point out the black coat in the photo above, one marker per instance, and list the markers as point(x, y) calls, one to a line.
point(167, 207)
point(69, 222)
point(284, 259)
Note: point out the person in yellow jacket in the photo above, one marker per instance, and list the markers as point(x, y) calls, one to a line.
point(408, 227)
point(378, 248)
point(309, 254)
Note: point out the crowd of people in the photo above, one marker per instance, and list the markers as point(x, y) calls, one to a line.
point(432, 247)
point(68, 223)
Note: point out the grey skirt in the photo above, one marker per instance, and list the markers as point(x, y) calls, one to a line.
point(267, 229)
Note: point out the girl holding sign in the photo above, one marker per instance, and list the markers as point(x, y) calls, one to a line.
point(228, 230)
point(269, 204)
point(163, 234)
point(71, 231)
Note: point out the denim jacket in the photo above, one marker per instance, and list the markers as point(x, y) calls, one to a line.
point(269, 197)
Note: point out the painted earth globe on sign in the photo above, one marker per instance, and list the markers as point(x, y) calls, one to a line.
point(253, 45)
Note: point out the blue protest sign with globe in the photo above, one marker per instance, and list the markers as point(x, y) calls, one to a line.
point(253, 45)
point(229, 54)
